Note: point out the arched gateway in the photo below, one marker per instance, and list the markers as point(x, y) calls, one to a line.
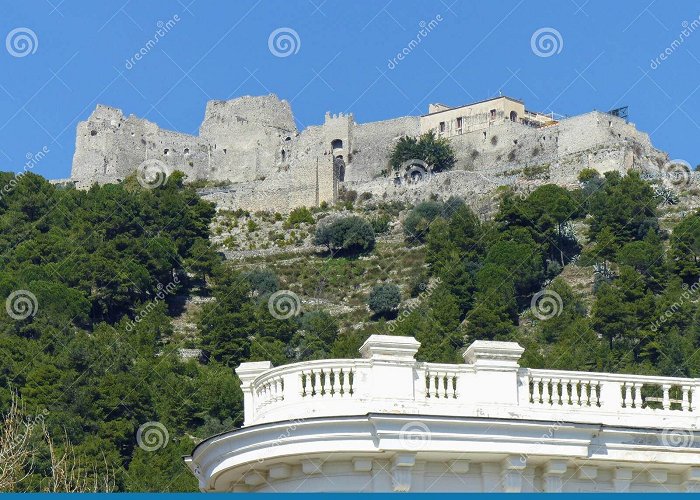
point(387, 422)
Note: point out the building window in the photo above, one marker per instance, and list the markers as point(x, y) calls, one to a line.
point(493, 114)
point(513, 116)
point(442, 127)
point(459, 123)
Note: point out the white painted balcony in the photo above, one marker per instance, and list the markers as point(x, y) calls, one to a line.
point(489, 384)
point(489, 412)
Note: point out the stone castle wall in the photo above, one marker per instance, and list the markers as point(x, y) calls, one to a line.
point(254, 145)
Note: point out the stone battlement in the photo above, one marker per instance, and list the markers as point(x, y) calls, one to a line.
point(252, 142)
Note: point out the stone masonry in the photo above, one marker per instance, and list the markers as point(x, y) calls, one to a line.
point(252, 147)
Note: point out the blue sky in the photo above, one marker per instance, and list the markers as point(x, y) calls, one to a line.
point(76, 56)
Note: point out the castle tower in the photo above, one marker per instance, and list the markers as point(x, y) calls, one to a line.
point(338, 135)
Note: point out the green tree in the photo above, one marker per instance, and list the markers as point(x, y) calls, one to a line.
point(384, 299)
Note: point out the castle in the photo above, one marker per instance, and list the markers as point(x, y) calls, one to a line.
point(251, 148)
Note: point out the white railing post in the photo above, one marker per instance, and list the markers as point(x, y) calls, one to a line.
point(247, 373)
point(392, 366)
point(496, 367)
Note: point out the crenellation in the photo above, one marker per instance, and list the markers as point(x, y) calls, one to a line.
point(252, 143)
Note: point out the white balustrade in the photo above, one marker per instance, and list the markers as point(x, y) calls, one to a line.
point(489, 383)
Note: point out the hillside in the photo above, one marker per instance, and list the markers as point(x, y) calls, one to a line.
point(128, 308)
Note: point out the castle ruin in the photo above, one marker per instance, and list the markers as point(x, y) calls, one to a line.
point(251, 148)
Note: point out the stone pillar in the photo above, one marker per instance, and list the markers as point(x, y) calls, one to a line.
point(512, 474)
point(248, 372)
point(552, 477)
point(489, 477)
point(393, 365)
point(402, 470)
point(496, 365)
point(622, 477)
point(691, 480)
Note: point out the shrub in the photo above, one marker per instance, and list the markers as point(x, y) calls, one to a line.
point(298, 216)
point(263, 281)
point(351, 235)
point(384, 299)
point(415, 227)
point(435, 151)
point(380, 223)
point(252, 226)
point(494, 140)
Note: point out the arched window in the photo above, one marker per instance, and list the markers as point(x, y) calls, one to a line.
point(336, 146)
point(513, 116)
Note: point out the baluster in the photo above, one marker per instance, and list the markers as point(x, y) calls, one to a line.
point(693, 399)
point(324, 382)
point(537, 395)
point(667, 399)
point(685, 404)
point(341, 379)
point(427, 385)
point(545, 391)
point(444, 383)
point(454, 386)
point(331, 376)
point(592, 393)
point(627, 401)
point(312, 374)
point(638, 401)
point(303, 384)
point(556, 389)
point(436, 384)
point(579, 389)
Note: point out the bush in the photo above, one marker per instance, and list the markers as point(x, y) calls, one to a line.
point(435, 151)
point(263, 281)
point(349, 235)
point(415, 227)
point(384, 299)
point(301, 215)
point(380, 223)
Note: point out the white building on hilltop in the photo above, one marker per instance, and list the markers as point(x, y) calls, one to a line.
point(387, 422)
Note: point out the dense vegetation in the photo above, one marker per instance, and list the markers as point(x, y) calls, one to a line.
point(108, 269)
